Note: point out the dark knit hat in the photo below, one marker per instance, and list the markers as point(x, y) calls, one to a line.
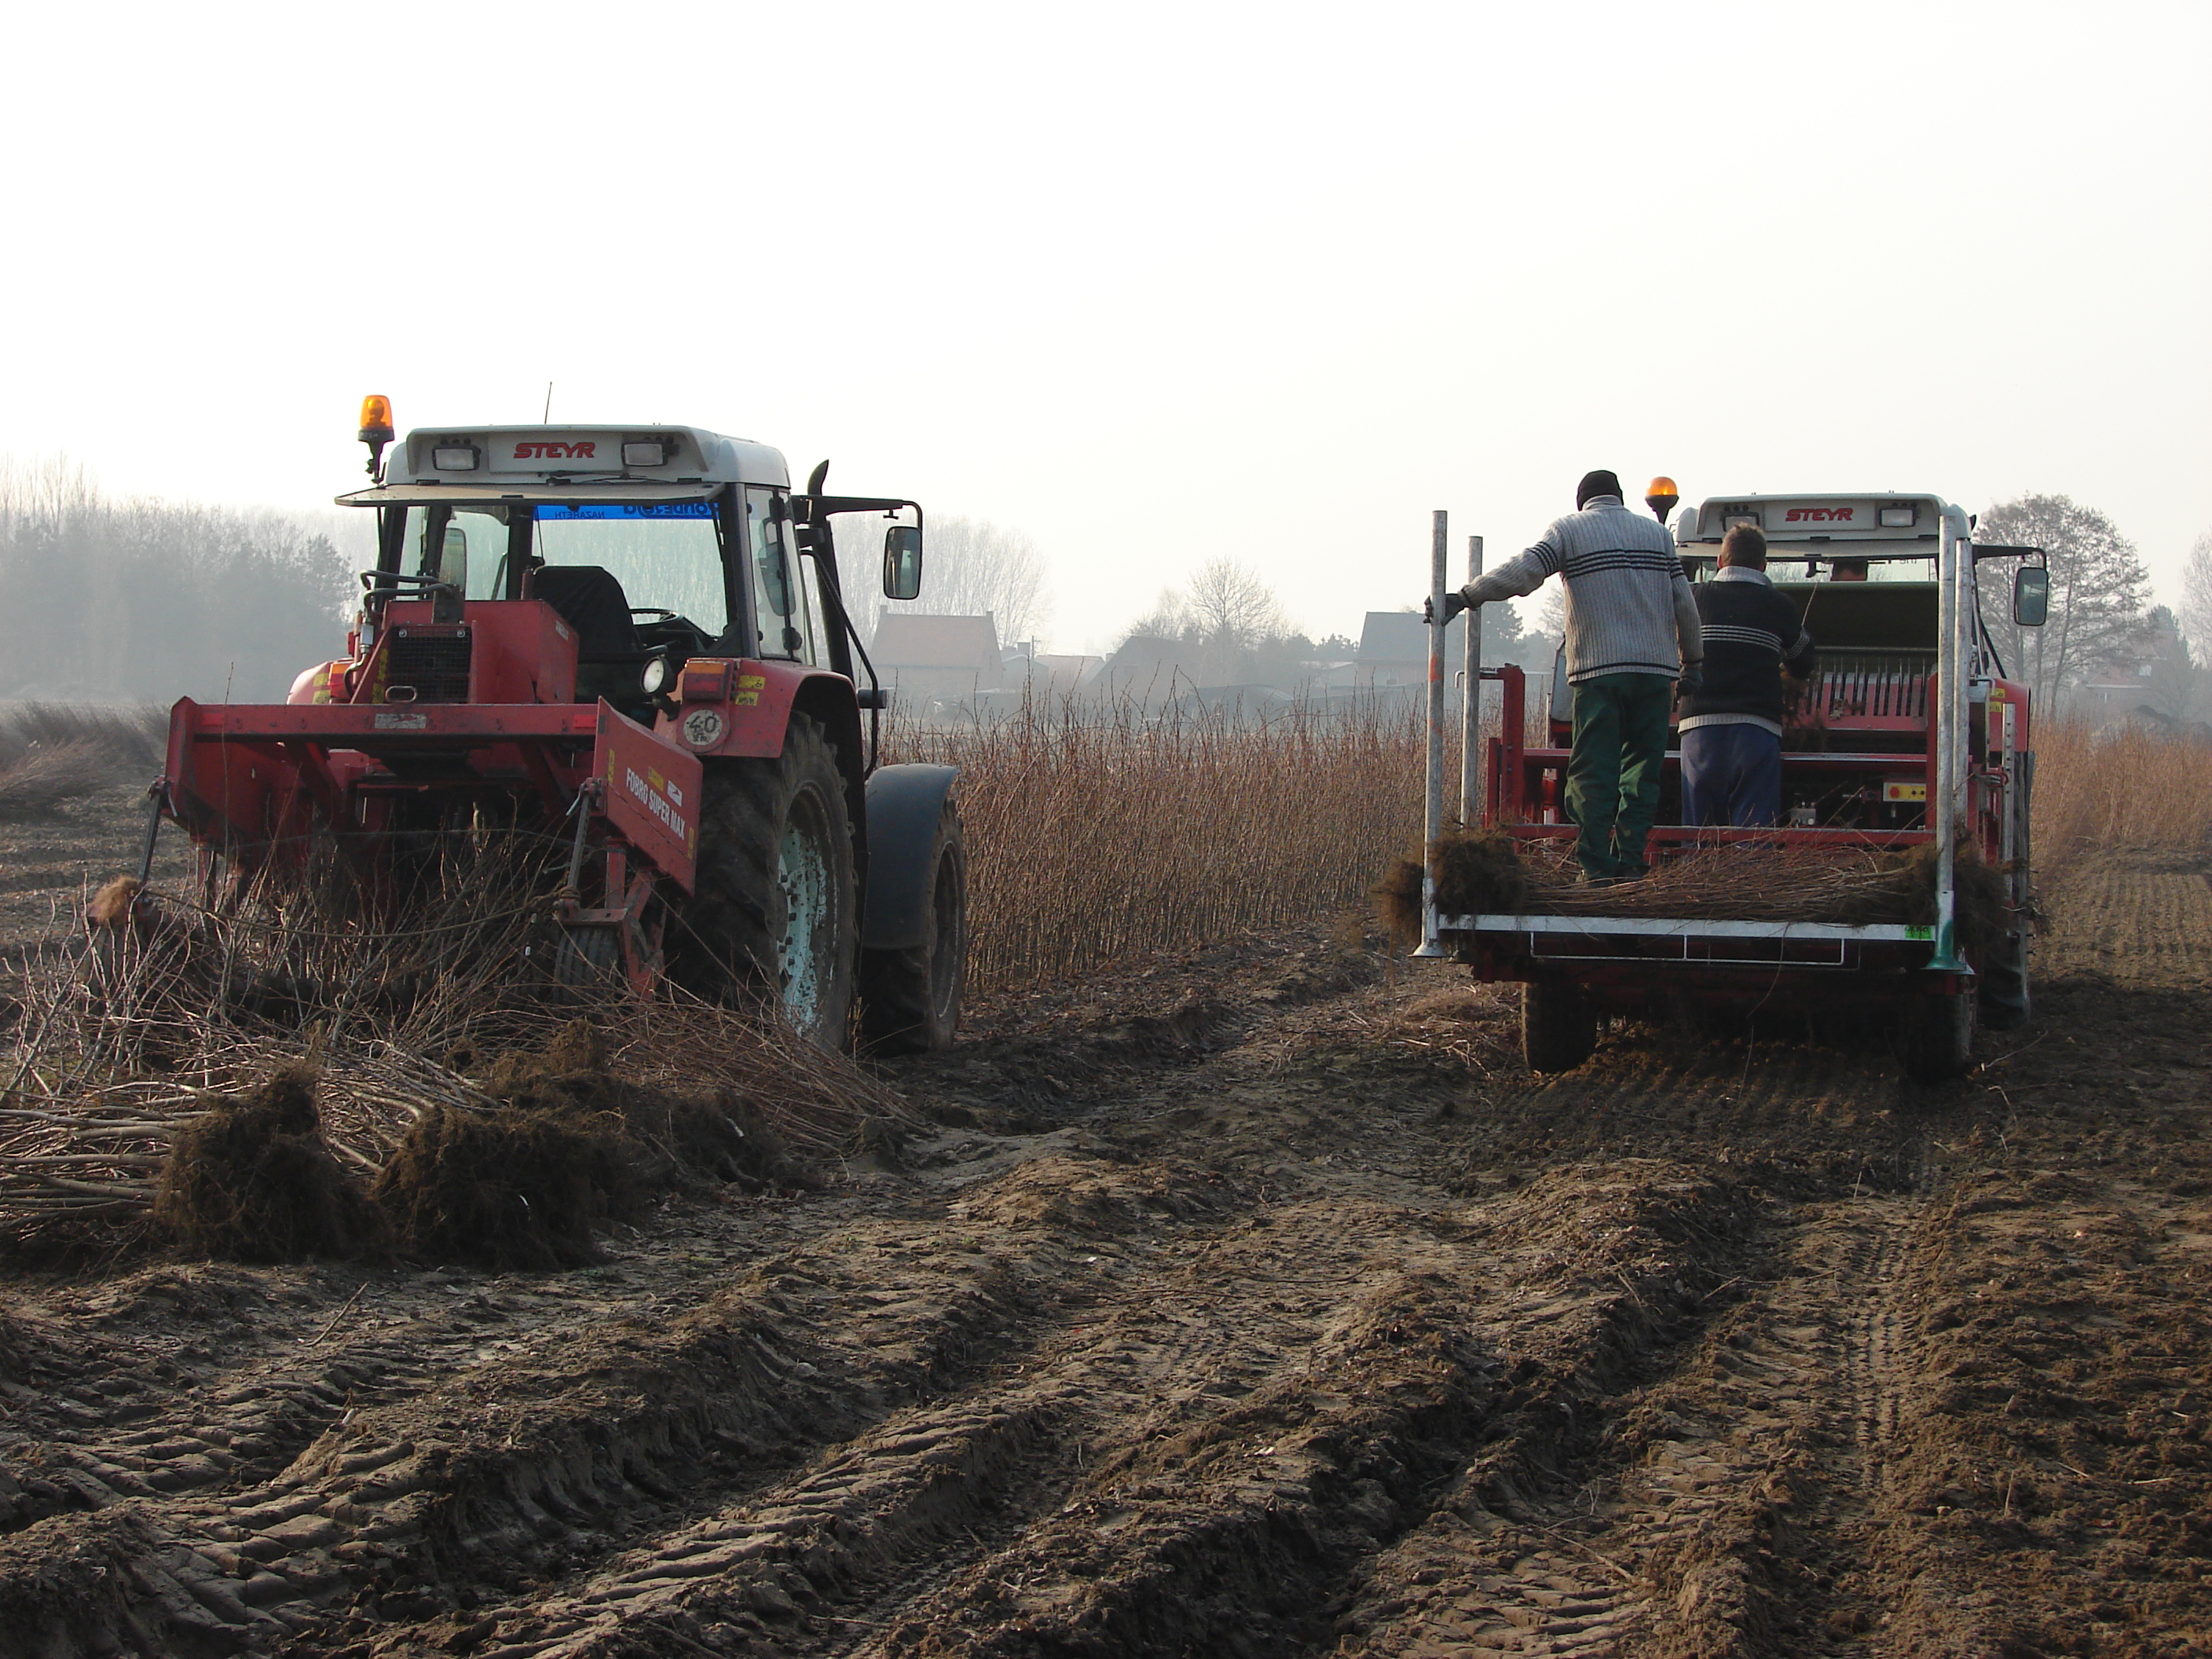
point(1600, 483)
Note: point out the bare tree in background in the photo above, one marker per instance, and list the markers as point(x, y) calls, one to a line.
point(1549, 603)
point(1233, 606)
point(1227, 628)
point(2195, 617)
point(970, 567)
point(2099, 593)
point(2197, 594)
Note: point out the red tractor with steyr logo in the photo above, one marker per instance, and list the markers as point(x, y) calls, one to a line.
point(633, 638)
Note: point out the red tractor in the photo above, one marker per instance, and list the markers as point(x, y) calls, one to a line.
point(1911, 735)
point(633, 639)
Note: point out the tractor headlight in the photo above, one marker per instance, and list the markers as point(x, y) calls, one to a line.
point(656, 676)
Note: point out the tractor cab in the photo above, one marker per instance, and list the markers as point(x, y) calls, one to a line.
point(650, 547)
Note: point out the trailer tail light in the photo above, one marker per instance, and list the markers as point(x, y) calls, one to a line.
point(707, 682)
point(647, 454)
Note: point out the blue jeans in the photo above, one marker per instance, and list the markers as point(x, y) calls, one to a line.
point(1731, 775)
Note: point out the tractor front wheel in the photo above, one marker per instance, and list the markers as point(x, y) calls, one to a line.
point(773, 913)
point(1559, 1027)
point(910, 999)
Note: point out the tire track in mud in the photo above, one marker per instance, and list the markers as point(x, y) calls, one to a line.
point(501, 1473)
point(1242, 1531)
point(1293, 1342)
point(1702, 1520)
point(1653, 1531)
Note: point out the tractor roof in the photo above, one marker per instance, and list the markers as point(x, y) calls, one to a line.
point(569, 463)
point(1902, 520)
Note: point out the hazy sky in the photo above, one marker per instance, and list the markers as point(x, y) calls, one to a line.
point(1150, 282)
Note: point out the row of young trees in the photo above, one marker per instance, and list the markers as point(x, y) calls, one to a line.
point(106, 599)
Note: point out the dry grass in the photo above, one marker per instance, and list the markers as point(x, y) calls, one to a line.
point(52, 754)
point(175, 1020)
point(2121, 790)
point(1095, 836)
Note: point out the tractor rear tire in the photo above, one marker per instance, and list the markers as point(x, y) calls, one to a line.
point(910, 999)
point(775, 913)
point(1559, 1027)
point(1939, 1036)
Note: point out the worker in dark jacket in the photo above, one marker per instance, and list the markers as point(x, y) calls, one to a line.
point(1731, 725)
point(1631, 630)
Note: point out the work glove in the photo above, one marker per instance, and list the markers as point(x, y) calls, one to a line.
point(1691, 682)
point(1455, 602)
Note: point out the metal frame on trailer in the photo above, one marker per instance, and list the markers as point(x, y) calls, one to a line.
point(1954, 651)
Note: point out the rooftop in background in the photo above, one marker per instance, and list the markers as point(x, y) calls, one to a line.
point(968, 643)
point(1394, 636)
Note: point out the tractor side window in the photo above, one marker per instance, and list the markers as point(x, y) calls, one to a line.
point(811, 614)
point(776, 600)
point(818, 613)
point(465, 546)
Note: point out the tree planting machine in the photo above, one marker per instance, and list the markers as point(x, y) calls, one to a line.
point(1911, 735)
point(632, 641)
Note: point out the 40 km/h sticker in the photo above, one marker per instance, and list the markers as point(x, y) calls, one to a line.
point(703, 727)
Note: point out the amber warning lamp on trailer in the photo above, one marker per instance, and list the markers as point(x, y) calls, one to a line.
point(1661, 497)
point(375, 427)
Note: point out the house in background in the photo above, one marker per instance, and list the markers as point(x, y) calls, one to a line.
point(1394, 650)
point(2152, 677)
point(938, 660)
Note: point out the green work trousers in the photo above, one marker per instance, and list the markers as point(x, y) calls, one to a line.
point(1612, 773)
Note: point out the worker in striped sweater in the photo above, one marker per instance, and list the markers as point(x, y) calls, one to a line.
point(1631, 630)
point(1731, 725)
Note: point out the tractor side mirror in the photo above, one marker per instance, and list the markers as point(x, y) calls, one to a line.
point(2031, 596)
point(903, 561)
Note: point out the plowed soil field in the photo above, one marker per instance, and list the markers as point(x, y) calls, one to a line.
point(1259, 1303)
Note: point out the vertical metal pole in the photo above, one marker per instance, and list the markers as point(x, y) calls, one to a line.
point(1950, 711)
point(1470, 744)
point(1433, 815)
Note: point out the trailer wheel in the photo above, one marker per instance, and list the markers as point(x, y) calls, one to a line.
point(1939, 1036)
point(910, 999)
point(1559, 1027)
point(773, 912)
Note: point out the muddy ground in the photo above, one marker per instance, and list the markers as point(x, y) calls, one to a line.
point(1258, 1303)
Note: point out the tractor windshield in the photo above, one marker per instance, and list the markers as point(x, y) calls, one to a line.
point(667, 554)
point(1785, 564)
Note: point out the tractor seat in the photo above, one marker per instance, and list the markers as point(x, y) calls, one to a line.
point(589, 597)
